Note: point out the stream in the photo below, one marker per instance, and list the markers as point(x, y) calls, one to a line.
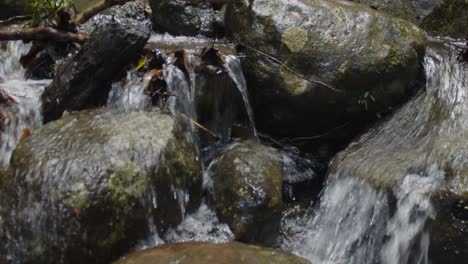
point(351, 221)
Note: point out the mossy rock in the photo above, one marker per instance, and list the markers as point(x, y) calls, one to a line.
point(450, 18)
point(247, 190)
point(89, 185)
point(426, 137)
point(202, 253)
point(346, 45)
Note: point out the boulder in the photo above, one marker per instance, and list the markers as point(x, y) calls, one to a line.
point(247, 190)
point(425, 138)
point(293, 47)
point(85, 79)
point(89, 186)
point(188, 17)
point(202, 253)
point(450, 18)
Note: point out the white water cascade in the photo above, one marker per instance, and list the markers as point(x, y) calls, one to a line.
point(25, 111)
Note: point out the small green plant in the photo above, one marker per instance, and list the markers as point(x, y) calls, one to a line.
point(40, 9)
point(365, 98)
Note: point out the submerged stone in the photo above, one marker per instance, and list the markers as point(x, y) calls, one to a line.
point(371, 58)
point(86, 188)
point(247, 190)
point(202, 253)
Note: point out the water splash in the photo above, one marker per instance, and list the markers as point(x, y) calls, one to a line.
point(203, 225)
point(354, 224)
point(234, 68)
point(25, 112)
point(130, 93)
point(348, 226)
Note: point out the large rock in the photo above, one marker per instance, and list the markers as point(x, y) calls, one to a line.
point(202, 253)
point(86, 188)
point(247, 190)
point(188, 17)
point(425, 138)
point(450, 18)
point(84, 81)
point(372, 58)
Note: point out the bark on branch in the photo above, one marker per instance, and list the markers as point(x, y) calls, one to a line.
point(41, 34)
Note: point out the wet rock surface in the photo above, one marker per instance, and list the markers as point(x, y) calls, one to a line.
point(247, 190)
point(85, 188)
point(371, 58)
point(201, 253)
point(424, 138)
point(188, 17)
point(84, 81)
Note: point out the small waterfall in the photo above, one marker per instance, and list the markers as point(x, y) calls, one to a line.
point(203, 225)
point(353, 224)
point(25, 111)
point(130, 93)
point(348, 226)
point(234, 67)
point(409, 239)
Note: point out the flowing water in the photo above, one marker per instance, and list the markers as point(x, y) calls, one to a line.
point(352, 222)
point(234, 68)
point(25, 111)
point(356, 223)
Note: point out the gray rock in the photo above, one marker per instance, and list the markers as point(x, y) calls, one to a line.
point(372, 58)
point(188, 17)
point(84, 81)
point(247, 190)
point(86, 188)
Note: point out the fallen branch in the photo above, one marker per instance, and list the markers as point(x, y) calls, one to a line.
point(198, 125)
point(41, 34)
point(283, 64)
point(97, 8)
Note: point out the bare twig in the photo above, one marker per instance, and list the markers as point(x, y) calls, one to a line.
point(8, 20)
point(283, 64)
point(292, 140)
point(198, 125)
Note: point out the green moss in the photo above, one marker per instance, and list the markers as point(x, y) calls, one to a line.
point(295, 38)
point(129, 181)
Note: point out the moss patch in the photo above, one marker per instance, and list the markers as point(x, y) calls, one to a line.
point(295, 38)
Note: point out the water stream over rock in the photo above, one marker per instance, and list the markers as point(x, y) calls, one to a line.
point(26, 106)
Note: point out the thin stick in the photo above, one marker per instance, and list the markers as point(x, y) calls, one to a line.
point(14, 18)
point(283, 64)
point(313, 137)
point(198, 125)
